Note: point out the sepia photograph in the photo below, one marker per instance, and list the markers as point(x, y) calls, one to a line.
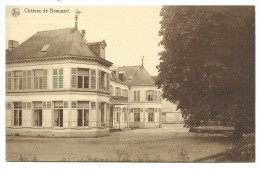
point(138, 84)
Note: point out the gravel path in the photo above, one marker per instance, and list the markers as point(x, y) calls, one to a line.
point(170, 143)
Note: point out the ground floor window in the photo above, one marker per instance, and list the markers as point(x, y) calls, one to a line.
point(17, 114)
point(102, 113)
point(117, 114)
point(83, 113)
point(58, 114)
point(136, 115)
point(83, 117)
point(150, 115)
point(37, 113)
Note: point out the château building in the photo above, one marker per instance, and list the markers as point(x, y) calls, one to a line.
point(60, 85)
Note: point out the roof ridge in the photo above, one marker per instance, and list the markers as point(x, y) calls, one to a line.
point(130, 66)
point(53, 30)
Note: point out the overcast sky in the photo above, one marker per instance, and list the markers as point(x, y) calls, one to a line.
point(129, 31)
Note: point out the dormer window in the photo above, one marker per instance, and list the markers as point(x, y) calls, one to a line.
point(45, 47)
point(122, 76)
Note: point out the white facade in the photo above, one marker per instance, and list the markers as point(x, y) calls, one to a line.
point(50, 103)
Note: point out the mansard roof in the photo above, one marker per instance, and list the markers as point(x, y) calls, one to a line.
point(53, 44)
point(137, 76)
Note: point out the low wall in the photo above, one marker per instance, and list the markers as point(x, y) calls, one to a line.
point(144, 125)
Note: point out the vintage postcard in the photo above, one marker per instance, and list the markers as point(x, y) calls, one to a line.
point(139, 84)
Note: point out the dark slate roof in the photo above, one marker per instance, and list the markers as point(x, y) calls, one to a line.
point(62, 42)
point(137, 75)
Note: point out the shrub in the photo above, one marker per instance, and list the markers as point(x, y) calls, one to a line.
point(243, 150)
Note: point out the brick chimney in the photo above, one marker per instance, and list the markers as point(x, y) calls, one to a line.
point(12, 44)
point(83, 32)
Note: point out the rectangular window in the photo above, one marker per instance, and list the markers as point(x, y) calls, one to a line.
point(83, 78)
point(150, 115)
point(37, 109)
point(58, 114)
point(83, 114)
point(117, 114)
point(149, 95)
point(58, 78)
point(18, 80)
point(136, 96)
point(136, 115)
point(37, 79)
point(17, 120)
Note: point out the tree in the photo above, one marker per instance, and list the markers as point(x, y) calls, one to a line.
point(208, 64)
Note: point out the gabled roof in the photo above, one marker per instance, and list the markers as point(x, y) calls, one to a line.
point(137, 75)
point(61, 42)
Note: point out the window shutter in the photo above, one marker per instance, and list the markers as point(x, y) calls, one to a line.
point(108, 82)
point(9, 81)
point(24, 79)
point(65, 104)
point(44, 79)
point(24, 105)
point(44, 105)
point(93, 79)
point(8, 105)
point(55, 78)
point(29, 79)
point(155, 96)
point(73, 82)
point(61, 78)
point(146, 95)
point(99, 80)
point(48, 105)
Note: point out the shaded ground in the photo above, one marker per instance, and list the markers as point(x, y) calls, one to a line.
point(170, 143)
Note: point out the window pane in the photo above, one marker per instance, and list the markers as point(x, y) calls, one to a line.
point(61, 117)
point(86, 82)
point(35, 82)
point(86, 118)
point(20, 117)
point(15, 117)
point(40, 82)
point(80, 116)
point(58, 104)
point(83, 105)
point(18, 74)
point(38, 72)
point(80, 81)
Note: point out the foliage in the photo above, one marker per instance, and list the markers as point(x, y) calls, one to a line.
point(208, 64)
point(243, 151)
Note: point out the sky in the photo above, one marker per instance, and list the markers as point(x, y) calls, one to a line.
point(129, 31)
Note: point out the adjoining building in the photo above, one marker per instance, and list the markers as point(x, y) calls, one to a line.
point(145, 98)
point(170, 114)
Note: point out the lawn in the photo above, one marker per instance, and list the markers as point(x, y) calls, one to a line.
point(171, 143)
